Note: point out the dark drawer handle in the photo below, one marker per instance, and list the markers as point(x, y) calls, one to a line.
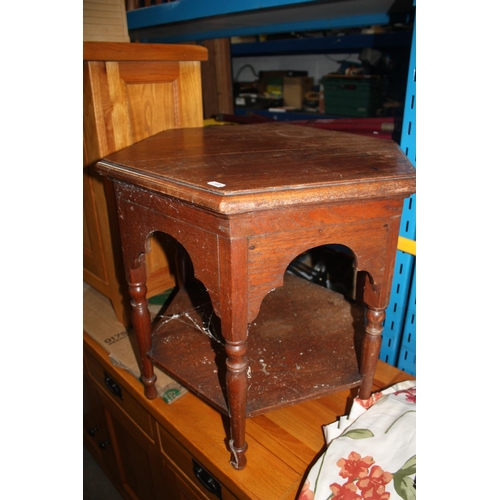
point(103, 444)
point(211, 484)
point(112, 386)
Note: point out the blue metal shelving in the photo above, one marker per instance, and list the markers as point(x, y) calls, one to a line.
point(407, 351)
point(322, 45)
point(399, 334)
point(199, 10)
point(195, 20)
point(407, 359)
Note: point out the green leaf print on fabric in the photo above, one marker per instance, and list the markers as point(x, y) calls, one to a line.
point(403, 482)
point(358, 434)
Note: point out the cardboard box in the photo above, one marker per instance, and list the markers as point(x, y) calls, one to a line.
point(295, 88)
point(99, 321)
point(273, 78)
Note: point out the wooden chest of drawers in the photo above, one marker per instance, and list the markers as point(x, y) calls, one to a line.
point(152, 449)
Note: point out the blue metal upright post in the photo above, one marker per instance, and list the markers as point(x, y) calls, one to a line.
point(398, 336)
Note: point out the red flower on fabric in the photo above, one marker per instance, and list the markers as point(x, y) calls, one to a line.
point(346, 491)
point(354, 467)
point(373, 486)
point(305, 492)
point(367, 403)
point(411, 394)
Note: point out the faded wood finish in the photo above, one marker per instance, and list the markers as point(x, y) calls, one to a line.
point(131, 91)
point(243, 202)
point(288, 361)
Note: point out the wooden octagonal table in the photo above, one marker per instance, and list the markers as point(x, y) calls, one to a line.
point(242, 202)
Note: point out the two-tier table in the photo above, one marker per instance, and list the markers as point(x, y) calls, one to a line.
point(242, 201)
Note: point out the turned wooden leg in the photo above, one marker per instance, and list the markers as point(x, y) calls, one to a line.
point(237, 382)
point(371, 349)
point(141, 319)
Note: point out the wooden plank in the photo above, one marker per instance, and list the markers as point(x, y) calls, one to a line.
point(104, 10)
point(217, 78)
point(105, 20)
point(104, 31)
point(143, 52)
point(102, 3)
point(118, 105)
point(190, 94)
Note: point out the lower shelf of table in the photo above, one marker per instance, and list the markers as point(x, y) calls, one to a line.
point(304, 344)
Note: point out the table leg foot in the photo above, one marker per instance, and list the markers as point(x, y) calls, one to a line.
point(238, 457)
point(141, 319)
point(371, 349)
point(149, 387)
point(237, 383)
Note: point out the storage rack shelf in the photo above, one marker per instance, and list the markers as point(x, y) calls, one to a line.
point(339, 44)
point(193, 20)
point(198, 20)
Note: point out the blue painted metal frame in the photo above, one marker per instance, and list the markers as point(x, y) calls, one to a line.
point(182, 10)
point(407, 359)
point(195, 20)
point(399, 334)
point(314, 25)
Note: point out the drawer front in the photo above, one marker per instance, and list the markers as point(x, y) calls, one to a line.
point(120, 396)
point(199, 477)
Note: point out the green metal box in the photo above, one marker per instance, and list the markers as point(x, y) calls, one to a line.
point(355, 96)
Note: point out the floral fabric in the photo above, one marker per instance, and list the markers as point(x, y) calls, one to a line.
point(371, 453)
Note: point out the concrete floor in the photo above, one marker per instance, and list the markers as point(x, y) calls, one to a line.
point(96, 485)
